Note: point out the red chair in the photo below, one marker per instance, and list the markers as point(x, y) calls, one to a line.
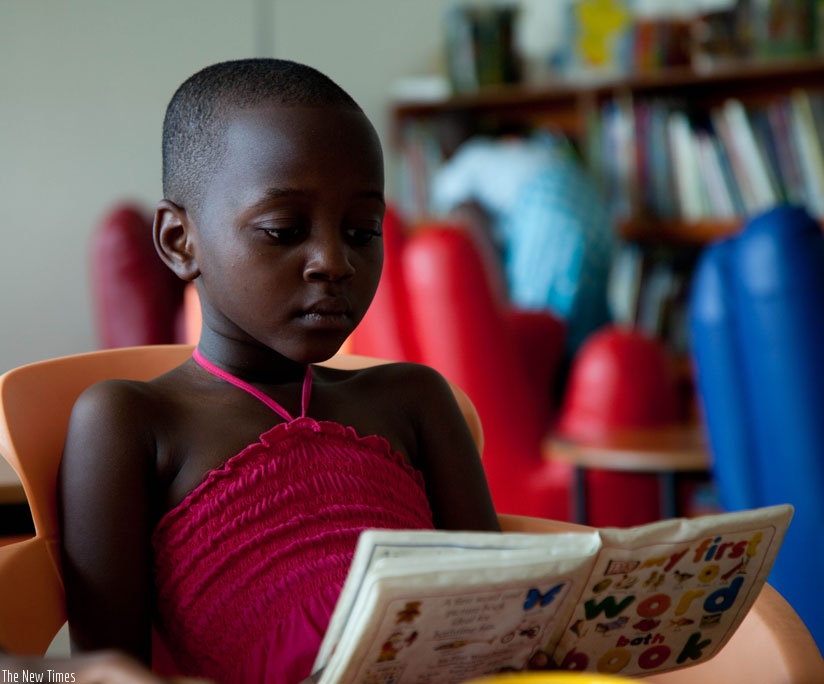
point(467, 332)
point(136, 299)
point(387, 327)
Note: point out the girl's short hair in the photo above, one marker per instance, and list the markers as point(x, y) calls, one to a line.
point(197, 114)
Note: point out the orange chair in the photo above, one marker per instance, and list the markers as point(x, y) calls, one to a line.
point(36, 401)
point(35, 405)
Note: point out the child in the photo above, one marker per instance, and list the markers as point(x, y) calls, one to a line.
point(224, 499)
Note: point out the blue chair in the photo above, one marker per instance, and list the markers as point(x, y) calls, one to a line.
point(756, 317)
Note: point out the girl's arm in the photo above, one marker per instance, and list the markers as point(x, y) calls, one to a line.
point(455, 480)
point(105, 495)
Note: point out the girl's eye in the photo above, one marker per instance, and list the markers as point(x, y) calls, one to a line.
point(361, 236)
point(285, 236)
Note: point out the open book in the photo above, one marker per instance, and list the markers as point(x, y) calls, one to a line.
point(423, 607)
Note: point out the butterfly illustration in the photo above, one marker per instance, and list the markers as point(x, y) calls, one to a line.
point(534, 597)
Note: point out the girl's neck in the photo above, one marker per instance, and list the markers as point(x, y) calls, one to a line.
point(251, 361)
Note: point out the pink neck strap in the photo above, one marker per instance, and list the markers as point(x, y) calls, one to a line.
point(254, 391)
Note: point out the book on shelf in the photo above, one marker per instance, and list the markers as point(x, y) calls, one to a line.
point(626, 277)
point(727, 170)
point(616, 157)
point(749, 165)
point(808, 145)
point(423, 606)
point(660, 194)
point(716, 182)
point(479, 46)
point(655, 306)
point(691, 196)
point(769, 147)
point(626, 157)
point(788, 161)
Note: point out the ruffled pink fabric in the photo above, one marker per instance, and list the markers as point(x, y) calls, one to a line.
point(249, 566)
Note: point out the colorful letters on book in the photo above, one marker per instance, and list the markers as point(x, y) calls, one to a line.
point(421, 607)
point(662, 606)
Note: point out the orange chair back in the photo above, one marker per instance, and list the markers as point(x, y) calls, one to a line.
point(35, 404)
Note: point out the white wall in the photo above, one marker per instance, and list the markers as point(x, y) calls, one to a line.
point(83, 88)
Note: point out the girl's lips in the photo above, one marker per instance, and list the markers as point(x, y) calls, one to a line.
point(330, 322)
point(330, 313)
point(330, 306)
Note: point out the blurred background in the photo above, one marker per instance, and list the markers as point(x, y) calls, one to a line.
point(84, 85)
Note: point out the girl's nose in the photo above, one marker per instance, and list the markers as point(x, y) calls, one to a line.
point(328, 259)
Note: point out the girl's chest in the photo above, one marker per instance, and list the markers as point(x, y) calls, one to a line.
point(216, 434)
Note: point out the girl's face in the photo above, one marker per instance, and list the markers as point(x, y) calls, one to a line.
point(288, 238)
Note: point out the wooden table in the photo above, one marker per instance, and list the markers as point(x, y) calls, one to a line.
point(665, 452)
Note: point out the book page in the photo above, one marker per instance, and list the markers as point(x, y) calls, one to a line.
point(421, 625)
point(670, 594)
point(422, 547)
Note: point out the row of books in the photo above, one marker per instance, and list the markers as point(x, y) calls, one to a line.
point(649, 289)
point(657, 158)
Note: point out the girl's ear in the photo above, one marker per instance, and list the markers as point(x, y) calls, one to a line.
point(173, 239)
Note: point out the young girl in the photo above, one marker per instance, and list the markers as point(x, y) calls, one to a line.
point(223, 500)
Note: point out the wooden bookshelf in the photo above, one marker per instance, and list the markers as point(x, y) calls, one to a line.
point(750, 79)
point(569, 106)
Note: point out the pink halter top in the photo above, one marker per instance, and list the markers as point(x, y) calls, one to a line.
point(249, 565)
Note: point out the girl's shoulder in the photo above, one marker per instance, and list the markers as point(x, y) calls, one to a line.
point(406, 391)
point(412, 379)
point(143, 394)
point(130, 406)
